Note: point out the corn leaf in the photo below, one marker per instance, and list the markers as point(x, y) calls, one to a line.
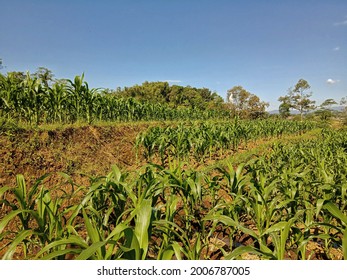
point(10, 217)
point(91, 250)
point(336, 212)
point(59, 253)
point(76, 241)
point(142, 224)
point(3, 190)
point(15, 242)
point(236, 253)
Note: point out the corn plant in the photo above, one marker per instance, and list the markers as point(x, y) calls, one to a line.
point(41, 217)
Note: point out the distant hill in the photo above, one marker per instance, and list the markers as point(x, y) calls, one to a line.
point(338, 108)
point(276, 112)
point(295, 112)
point(273, 112)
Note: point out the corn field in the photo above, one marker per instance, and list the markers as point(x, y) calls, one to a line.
point(32, 102)
point(201, 140)
point(287, 204)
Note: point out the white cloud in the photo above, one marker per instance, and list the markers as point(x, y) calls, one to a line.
point(331, 81)
point(336, 49)
point(341, 23)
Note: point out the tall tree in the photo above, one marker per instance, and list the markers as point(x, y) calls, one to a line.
point(245, 104)
point(299, 98)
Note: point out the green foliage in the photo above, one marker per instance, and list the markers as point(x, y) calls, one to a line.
point(298, 99)
point(244, 104)
point(204, 139)
point(325, 111)
point(175, 96)
point(37, 99)
point(285, 106)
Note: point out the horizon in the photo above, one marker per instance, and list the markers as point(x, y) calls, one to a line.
point(263, 47)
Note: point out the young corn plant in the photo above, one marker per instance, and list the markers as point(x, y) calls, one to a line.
point(42, 219)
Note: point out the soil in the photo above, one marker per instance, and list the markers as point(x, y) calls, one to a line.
point(90, 150)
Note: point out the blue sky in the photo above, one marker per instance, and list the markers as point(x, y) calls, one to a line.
point(264, 46)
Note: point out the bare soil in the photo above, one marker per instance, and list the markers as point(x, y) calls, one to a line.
point(90, 150)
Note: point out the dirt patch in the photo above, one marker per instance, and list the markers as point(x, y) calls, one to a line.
point(90, 150)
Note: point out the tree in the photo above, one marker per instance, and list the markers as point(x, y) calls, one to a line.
point(175, 96)
point(216, 102)
point(325, 110)
point(285, 106)
point(45, 75)
point(299, 98)
point(328, 103)
point(245, 104)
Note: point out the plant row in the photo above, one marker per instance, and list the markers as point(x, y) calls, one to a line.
point(205, 139)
